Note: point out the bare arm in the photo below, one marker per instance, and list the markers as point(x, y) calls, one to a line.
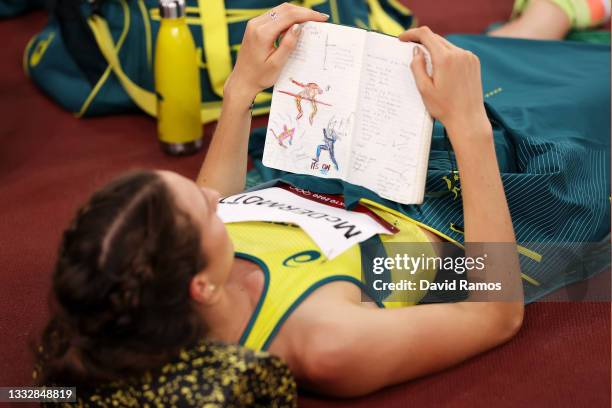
point(257, 68)
point(454, 96)
point(225, 166)
point(356, 350)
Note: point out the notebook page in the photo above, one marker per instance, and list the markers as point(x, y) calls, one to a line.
point(391, 146)
point(312, 117)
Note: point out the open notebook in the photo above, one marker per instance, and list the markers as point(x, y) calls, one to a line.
point(346, 106)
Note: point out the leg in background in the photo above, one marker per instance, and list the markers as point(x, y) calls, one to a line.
point(542, 20)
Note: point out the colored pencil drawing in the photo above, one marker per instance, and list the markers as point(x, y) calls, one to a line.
point(309, 93)
point(331, 134)
point(330, 137)
point(286, 134)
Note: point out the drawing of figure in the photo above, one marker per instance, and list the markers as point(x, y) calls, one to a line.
point(286, 134)
point(329, 140)
point(309, 92)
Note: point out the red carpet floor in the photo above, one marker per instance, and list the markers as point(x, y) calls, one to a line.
point(50, 162)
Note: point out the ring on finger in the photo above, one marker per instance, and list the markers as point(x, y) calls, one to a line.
point(273, 15)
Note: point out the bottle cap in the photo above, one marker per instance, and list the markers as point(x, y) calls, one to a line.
point(171, 8)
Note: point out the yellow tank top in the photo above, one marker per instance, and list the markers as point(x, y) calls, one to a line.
point(294, 267)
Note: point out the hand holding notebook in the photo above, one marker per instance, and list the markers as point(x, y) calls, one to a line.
point(346, 106)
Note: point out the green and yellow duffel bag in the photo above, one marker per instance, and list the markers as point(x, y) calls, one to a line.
point(95, 57)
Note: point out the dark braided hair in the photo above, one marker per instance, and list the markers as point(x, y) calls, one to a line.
point(120, 297)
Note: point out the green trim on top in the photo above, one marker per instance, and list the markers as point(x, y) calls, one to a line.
point(264, 293)
point(298, 301)
point(308, 292)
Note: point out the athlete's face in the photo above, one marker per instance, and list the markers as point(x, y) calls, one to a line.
point(201, 205)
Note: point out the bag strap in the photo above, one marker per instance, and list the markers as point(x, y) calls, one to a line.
point(215, 41)
point(144, 99)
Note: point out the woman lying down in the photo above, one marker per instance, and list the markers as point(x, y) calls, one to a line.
point(148, 282)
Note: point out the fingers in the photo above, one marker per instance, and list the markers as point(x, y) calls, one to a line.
point(419, 69)
point(447, 44)
point(425, 36)
point(285, 16)
point(279, 57)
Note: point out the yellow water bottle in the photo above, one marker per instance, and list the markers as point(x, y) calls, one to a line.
point(177, 82)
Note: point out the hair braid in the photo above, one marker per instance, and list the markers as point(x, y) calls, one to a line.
point(120, 286)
